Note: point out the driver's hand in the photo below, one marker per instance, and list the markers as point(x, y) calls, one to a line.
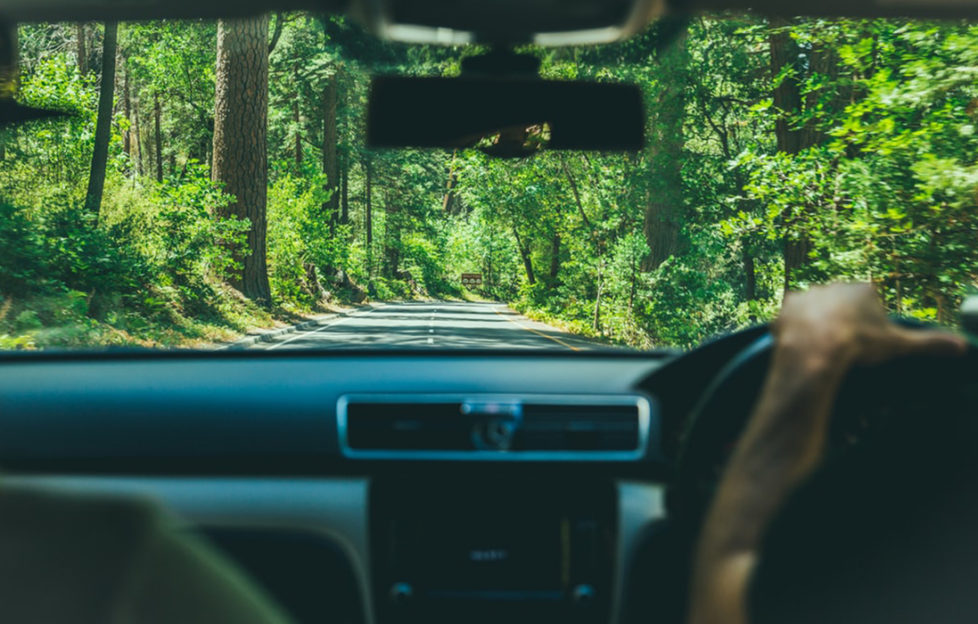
point(845, 324)
point(819, 336)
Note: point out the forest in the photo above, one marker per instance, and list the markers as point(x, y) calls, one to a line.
point(212, 177)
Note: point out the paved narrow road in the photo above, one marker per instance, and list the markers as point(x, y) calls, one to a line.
point(434, 325)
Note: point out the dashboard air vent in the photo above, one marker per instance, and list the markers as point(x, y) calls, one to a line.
point(579, 428)
point(527, 428)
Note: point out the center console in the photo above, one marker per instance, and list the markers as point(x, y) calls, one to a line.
point(492, 550)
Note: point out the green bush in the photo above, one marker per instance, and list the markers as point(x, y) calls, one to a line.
point(27, 320)
point(24, 263)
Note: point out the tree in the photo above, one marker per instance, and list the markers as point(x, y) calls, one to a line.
point(805, 149)
point(799, 108)
point(127, 142)
point(158, 135)
point(103, 124)
point(240, 129)
point(81, 48)
point(665, 209)
point(368, 225)
point(786, 72)
point(330, 162)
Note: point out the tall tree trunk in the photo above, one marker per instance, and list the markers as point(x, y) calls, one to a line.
point(103, 124)
point(127, 111)
point(137, 138)
point(555, 258)
point(296, 119)
point(330, 164)
point(596, 324)
point(206, 146)
point(787, 92)
point(392, 235)
point(368, 202)
point(240, 139)
point(158, 136)
point(750, 274)
point(368, 215)
point(665, 210)
point(787, 72)
point(632, 284)
point(527, 260)
point(448, 202)
point(345, 192)
point(490, 272)
point(81, 48)
point(577, 196)
point(276, 32)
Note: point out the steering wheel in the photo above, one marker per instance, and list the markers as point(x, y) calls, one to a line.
point(869, 395)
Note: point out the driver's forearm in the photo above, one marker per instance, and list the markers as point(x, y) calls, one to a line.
point(783, 443)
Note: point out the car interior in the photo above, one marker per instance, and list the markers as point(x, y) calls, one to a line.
point(391, 486)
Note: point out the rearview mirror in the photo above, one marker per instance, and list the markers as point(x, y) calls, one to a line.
point(504, 117)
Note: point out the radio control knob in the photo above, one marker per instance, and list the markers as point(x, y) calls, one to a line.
point(401, 593)
point(583, 595)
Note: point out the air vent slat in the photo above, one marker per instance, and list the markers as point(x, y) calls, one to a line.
point(406, 426)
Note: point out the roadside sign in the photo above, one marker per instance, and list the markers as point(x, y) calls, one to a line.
point(472, 279)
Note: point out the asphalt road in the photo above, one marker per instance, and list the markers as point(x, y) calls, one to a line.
point(434, 325)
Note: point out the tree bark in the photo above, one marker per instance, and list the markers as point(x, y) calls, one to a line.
point(368, 215)
point(138, 143)
point(345, 191)
point(527, 260)
point(330, 163)
point(127, 111)
point(368, 203)
point(787, 93)
point(276, 32)
point(392, 233)
point(240, 136)
point(632, 284)
point(448, 202)
point(577, 195)
point(750, 275)
point(103, 124)
point(664, 211)
point(596, 324)
point(555, 258)
point(297, 119)
point(81, 48)
point(158, 136)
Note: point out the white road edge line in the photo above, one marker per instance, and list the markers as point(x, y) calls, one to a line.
point(322, 327)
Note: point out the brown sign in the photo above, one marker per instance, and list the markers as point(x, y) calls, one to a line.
point(472, 279)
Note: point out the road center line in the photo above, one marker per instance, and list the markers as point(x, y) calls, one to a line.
point(531, 330)
point(322, 327)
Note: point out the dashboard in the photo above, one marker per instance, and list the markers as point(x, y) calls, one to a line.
point(376, 488)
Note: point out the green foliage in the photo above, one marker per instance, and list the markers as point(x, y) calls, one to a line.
point(666, 247)
point(22, 251)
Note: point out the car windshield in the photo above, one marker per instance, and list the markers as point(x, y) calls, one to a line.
point(210, 188)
